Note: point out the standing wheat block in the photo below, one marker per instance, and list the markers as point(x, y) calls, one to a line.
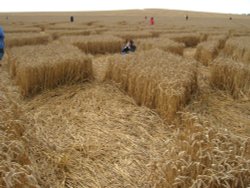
point(156, 79)
point(133, 34)
point(95, 44)
point(47, 66)
point(207, 51)
point(189, 39)
point(55, 34)
point(238, 48)
point(232, 76)
point(23, 39)
point(161, 43)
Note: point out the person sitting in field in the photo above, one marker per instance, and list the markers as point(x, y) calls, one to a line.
point(129, 47)
point(1, 43)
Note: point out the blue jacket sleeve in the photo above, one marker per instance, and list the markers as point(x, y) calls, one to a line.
point(1, 38)
point(1, 33)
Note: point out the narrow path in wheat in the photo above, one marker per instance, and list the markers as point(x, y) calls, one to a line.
point(218, 107)
point(99, 68)
point(189, 52)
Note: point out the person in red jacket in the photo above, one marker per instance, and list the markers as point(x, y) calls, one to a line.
point(152, 21)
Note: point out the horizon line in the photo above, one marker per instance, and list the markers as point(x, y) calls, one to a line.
point(115, 10)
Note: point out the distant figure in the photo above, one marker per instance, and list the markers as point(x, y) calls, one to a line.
point(1, 43)
point(145, 17)
point(230, 18)
point(186, 17)
point(152, 21)
point(71, 18)
point(129, 47)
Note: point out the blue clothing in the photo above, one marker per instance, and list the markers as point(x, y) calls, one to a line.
point(1, 38)
point(128, 49)
point(1, 54)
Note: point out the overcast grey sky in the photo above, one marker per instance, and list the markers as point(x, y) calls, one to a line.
point(223, 6)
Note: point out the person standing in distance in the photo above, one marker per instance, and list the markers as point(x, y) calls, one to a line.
point(152, 21)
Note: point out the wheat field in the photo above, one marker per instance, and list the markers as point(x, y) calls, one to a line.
point(75, 112)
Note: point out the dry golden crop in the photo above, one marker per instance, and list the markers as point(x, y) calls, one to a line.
point(161, 43)
point(221, 39)
point(58, 33)
point(240, 32)
point(133, 34)
point(201, 156)
point(95, 44)
point(66, 26)
point(15, 165)
point(93, 134)
point(100, 127)
point(238, 48)
point(129, 141)
point(22, 39)
point(156, 79)
point(189, 39)
point(230, 75)
point(207, 51)
point(19, 29)
point(47, 66)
